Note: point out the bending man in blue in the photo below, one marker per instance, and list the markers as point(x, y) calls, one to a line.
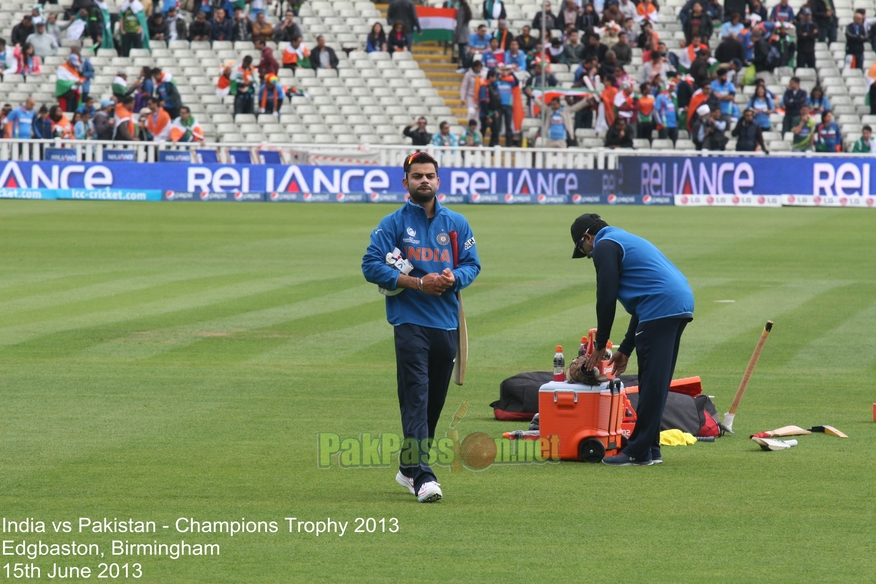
point(632, 270)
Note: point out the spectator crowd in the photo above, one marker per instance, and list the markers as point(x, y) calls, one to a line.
point(148, 108)
point(689, 92)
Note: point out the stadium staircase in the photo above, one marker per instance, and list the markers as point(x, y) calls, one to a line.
point(436, 62)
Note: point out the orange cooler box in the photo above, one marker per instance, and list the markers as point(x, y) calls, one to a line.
point(590, 420)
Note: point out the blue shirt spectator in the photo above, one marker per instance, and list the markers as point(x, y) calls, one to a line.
point(489, 60)
point(762, 105)
point(506, 89)
point(81, 130)
point(207, 6)
point(827, 136)
point(782, 13)
point(87, 71)
point(478, 42)
point(818, 102)
point(88, 106)
point(666, 110)
point(714, 9)
point(729, 27)
point(744, 37)
point(556, 126)
point(445, 137)
point(20, 121)
point(166, 91)
point(271, 96)
point(721, 86)
point(519, 59)
point(42, 125)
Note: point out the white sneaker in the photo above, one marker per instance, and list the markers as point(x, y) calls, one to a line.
point(429, 492)
point(406, 482)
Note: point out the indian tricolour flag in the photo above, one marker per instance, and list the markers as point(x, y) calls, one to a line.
point(437, 24)
point(120, 85)
point(547, 95)
point(871, 79)
point(67, 78)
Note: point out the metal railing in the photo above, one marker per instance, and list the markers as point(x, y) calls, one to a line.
point(368, 154)
point(323, 154)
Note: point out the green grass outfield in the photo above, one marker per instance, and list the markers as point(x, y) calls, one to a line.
point(161, 361)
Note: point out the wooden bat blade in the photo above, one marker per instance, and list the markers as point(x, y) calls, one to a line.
point(829, 430)
point(789, 431)
point(750, 369)
point(461, 347)
point(458, 376)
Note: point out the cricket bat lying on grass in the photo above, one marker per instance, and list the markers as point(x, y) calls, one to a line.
point(783, 431)
point(830, 430)
point(773, 444)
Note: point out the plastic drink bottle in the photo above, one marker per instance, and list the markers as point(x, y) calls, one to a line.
point(559, 364)
point(582, 350)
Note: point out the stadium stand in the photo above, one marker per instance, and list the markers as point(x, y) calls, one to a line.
point(372, 96)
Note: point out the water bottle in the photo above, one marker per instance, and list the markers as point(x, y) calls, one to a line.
point(559, 364)
point(582, 350)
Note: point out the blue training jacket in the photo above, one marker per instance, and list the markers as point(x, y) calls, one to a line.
point(650, 286)
point(426, 243)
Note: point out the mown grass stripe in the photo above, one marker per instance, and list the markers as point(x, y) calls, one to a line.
point(137, 338)
point(528, 341)
point(838, 346)
point(706, 333)
point(273, 328)
point(56, 431)
point(235, 326)
point(77, 298)
point(15, 284)
point(339, 344)
point(21, 333)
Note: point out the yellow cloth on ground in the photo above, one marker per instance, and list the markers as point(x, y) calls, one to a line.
point(676, 438)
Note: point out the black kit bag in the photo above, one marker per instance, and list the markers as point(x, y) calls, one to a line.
point(682, 412)
point(518, 396)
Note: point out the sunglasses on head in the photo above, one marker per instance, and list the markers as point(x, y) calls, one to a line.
point(419, 157)
point(581, 241)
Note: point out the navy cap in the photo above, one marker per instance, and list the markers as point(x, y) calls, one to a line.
point(582, 226)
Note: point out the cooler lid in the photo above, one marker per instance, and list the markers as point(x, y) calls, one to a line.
point(552, 386)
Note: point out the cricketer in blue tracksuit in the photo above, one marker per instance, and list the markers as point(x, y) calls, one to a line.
point(633, 271)
point(425, 325)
